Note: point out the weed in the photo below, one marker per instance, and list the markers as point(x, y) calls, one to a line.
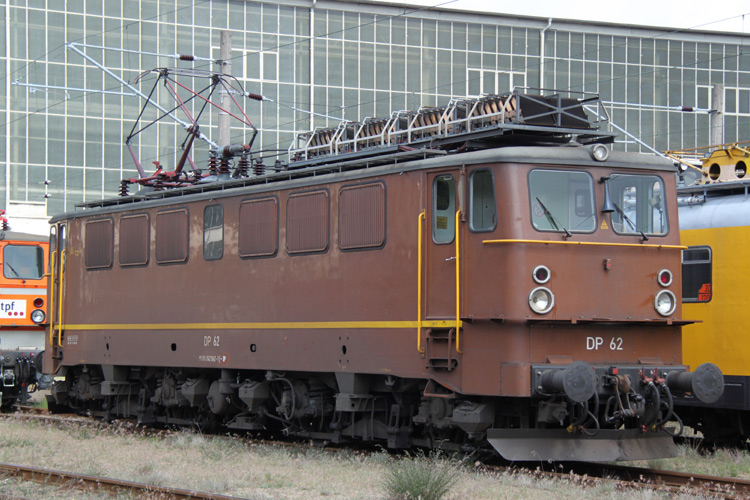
point(15, 442)
point(423, 478)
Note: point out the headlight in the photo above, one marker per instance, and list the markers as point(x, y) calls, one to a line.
point(665, 303)
point(600, 152)
point(38, 316)
point(541, 300)
point(664, 277)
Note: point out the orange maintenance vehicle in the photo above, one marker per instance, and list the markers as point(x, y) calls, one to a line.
point(23, 313)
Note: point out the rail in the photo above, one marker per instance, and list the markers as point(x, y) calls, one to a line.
point(83, 481)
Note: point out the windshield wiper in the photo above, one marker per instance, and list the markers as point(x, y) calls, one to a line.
point(551, 219)
point(632, 224)
point(17, 275)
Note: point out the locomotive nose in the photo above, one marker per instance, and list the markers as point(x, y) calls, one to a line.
point(706, 382)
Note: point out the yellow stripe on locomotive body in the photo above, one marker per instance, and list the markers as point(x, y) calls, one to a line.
point(313, 325)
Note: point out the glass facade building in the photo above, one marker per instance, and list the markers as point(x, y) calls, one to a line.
point(317, 62)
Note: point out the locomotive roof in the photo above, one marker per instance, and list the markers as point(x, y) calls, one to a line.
point(722, 204)
point(572, 155)
point(716, 189)
point(16, 236)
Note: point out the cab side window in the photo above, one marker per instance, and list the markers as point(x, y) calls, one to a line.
point(443, 209)
point(482, 207)
point(213, 232)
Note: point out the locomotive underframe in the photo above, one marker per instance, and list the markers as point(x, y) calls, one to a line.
point(400, 412)
point(21, 374)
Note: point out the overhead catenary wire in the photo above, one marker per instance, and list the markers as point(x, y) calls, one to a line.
point(388, 18)
point(322, 115)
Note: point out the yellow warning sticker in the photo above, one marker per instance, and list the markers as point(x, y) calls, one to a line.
point(604, 225)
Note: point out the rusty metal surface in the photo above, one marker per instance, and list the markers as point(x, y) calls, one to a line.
point(290, 312)
point(342, 313)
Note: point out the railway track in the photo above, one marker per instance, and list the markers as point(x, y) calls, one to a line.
point(94, 483)
point(662, 480)
point(628, 477)
point(720, 487)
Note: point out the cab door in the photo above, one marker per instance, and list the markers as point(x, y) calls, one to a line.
point(442, 266)
point(56, 297)
point(440, 245)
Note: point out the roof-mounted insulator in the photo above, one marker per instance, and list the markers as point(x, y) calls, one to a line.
point(213, 164)
point(259, 168)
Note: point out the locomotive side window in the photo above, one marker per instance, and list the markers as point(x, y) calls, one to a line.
point(697, 279)
point(639, 204)
point(562, 201)
point(134, 240)
point(172, 236)
point(99, 244)
point(362, 216)
point(213, 232)
point(482, 207)
point(307, 222)
point(23, 262)
point(444, 209)
point(259, 228)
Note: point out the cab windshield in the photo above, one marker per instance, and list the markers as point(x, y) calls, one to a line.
point(639, 205)
point(562, 201)
point(23, 262)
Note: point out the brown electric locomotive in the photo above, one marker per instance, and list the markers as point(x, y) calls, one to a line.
point(485, 274)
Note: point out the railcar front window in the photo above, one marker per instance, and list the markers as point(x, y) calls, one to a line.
point(562, 201)
point(639, 205)
point(23, 262)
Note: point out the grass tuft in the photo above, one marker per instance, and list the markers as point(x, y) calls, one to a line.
point(423, 478)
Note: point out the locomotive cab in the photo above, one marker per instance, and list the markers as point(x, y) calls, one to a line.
point(577, 257)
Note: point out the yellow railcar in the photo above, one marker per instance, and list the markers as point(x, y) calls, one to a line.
point(715, 226)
